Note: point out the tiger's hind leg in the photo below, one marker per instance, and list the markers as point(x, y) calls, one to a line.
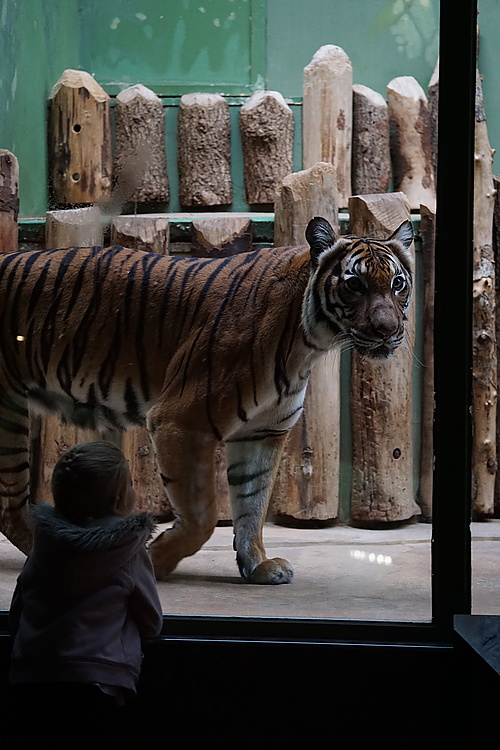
point(186, 461)
point(14, 467)
point(252, 467)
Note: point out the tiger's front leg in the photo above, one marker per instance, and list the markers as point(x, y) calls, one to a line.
point(251, 470)
point(186, 461)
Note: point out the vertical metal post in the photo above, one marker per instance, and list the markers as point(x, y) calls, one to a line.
point(451, 555)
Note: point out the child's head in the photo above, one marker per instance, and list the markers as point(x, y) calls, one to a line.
point(92, 480)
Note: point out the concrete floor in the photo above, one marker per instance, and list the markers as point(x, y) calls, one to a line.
point(339, 573)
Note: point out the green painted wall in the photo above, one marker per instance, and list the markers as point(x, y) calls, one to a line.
point(38, 39)
point(383, 38)
point(175, 47)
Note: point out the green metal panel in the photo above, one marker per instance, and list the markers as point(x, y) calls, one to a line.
point(175, 47)
point(383, 39)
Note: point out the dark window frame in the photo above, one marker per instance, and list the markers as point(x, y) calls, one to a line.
point(451, 542)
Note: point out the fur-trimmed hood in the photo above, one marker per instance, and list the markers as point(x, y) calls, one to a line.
point(102, 547)
point(101, 534)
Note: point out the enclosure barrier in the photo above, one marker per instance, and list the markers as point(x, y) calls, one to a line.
point(355, 143)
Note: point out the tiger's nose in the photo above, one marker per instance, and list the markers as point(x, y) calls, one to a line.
point(384, 324)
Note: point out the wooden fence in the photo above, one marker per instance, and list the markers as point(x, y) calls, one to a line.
point(357, 145)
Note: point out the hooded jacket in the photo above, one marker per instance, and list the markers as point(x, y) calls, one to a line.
point(84, 600)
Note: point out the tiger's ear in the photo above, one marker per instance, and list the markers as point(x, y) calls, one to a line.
point(402, 238)
point(403, 234)
point(320, 237)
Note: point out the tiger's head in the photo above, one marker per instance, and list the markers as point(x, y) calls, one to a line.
point(359, 291)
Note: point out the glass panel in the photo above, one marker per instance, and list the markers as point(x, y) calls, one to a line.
point(352, 560)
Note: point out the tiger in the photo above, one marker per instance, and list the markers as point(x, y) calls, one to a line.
point(201, 350)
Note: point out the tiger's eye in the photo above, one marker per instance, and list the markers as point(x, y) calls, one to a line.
point(354, 284)
point(398, 284)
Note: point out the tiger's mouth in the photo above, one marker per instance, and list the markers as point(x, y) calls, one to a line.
point(379, 352)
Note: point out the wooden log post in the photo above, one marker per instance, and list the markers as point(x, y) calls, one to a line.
point(496, 259)
point(218, 238)
point(79, 140)
point(9, 201)
point(327, 115)
point(371, 155)
point(484, 361)
point(139, 452)
point(427, 233)
point(50, 437)
point(410, 137)
point(266, 126)
point(307, 485)
point(140, 166)
point(433, 102)
point(204, 151)
point(74, 227)
point(381, 398)
point(148, 232)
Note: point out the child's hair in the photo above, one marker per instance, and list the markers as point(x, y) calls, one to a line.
point(87, 479)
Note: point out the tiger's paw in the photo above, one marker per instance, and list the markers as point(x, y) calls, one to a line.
point(160, 552)
point(272, 571)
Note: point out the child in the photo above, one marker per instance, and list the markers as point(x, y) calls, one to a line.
point(86, 596)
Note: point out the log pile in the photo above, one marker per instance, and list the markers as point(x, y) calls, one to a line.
point(354, 142)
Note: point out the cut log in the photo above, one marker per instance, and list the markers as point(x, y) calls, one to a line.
point(427, 232)
point(79, 140)
point(74, 227)
point(371, 155)
point(484, 358)
point(307, 485)
point(218, 238)
point(221, 487)
point(266, 126)
point(9, 201)
point(410, 135)
point(433, 101)
point(327, 115)
point(140, 167)
point(147, 232)
point(138, 449)
point(204, 150)
point(381, 401)
point(311, 192)
point(496, 259)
